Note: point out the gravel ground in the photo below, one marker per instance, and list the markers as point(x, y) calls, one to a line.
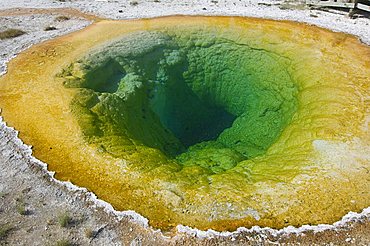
point(34, 205)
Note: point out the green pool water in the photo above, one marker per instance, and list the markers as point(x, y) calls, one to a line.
point(197, 98)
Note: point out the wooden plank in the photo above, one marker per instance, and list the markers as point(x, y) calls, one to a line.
point(363, 7)
point(331, 4)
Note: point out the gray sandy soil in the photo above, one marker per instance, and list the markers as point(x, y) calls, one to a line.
point(37, 210)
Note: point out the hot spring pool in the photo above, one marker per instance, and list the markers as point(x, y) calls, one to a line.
point(210, 122)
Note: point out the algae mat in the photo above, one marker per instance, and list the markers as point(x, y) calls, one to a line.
point(210, 122)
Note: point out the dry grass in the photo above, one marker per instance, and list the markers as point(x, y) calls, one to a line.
point(64, 242)
point(11, 33)
point(65, 220)
point(2, 195)
point(62, 18)
point(5, 230)
point(89, 233)
point(21, 208)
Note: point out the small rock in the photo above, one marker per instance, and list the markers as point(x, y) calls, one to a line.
point(50, 28)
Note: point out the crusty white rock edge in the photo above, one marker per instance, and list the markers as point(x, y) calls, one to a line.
point(348, 218)
point(4, 63)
